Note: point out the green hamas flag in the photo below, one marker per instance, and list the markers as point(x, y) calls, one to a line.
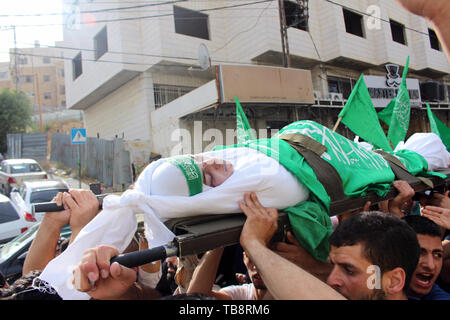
point(399, 124)
point(386, 114)
point(244, 132)
point(359, 115)
point(439, 128)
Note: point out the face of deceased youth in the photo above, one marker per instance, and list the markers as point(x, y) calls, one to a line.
point(214, 170)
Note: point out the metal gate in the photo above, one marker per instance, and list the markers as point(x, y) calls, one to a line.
point(30, 145)
point(104, 160)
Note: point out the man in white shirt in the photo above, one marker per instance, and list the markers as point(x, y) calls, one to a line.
point(204, 276)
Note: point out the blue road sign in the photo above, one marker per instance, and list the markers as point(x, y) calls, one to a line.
point(78, 136)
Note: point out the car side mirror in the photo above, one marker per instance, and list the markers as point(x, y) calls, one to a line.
point(14, 189)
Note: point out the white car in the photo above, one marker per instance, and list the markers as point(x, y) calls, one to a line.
point(12, 223)
point(14, 171)
point(36, 191)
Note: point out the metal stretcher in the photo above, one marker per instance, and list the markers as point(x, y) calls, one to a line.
point(198, 234)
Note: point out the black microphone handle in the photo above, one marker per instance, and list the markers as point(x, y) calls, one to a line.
point(53, 207)
point(139, 258)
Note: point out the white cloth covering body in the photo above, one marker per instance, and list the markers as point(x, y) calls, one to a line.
point(116, 224)
point(429, 146)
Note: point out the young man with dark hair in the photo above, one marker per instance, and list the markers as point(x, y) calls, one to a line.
point(368, 243)
point(373, 254)
point(423, 284)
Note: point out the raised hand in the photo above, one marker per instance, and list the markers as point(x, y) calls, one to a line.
point(439, 215)
point(100, 279)
point(261, 223)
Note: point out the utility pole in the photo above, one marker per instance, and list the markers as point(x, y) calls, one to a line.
point(284, 36)
point(38, 93)
point(16, 68)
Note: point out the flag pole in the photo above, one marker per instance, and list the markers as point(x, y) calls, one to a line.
point(337, 123)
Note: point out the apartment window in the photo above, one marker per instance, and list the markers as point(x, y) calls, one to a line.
point(341, 85)
point(398, 32)
point(63, 103)
point(434, 41)
point(46, 78)
point(47, 96)
point(77, 68)
point(4, 75)
point(62, 89)
point(353, 23)
point(46, 60)
point(101, 43)
point(296, 16)
point(23, 79)
point(166, 93)
point(191, 23)
point(61, 72)
point(22, 60)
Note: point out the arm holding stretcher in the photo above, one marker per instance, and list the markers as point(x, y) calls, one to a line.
point(99, 278)
point(80, 207)
point(256, 234)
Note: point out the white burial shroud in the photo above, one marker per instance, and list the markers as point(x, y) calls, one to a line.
point(116, 224)
point(429, 146)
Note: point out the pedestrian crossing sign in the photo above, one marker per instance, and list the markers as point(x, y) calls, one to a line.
point(78, 136)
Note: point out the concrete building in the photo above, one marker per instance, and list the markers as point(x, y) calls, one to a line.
point(128, 63)
point(39, 72)
point(5, 76)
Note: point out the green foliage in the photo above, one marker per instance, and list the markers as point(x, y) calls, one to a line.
point(15, 114)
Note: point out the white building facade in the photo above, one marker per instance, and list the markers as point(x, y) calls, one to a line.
point(127, 62)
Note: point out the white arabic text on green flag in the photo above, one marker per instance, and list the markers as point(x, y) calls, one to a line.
point(359, 115)
point(401, 114)
point(244, 132)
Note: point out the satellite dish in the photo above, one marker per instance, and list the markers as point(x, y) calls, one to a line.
point(203, 57)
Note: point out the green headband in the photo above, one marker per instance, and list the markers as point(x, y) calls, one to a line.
point(191, 172)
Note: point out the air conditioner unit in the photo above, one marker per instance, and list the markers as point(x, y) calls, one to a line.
point(432, 91)
point(317, 95)
point(335, 96)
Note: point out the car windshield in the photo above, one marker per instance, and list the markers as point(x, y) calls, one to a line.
point(45, 195)
point(25, 167)
point(7, 212)
point(15, 245)
point(18, 243)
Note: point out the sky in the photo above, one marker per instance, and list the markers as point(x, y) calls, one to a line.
point(29, 28)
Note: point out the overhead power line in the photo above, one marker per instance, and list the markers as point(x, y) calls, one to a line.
point(92, 11)
point(131, 63)
point(371, 16)
point(152, 16)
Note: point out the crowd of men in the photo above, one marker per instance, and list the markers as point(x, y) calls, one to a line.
point(373, 255)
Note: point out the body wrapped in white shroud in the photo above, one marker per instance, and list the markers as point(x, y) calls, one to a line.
point(116, 224)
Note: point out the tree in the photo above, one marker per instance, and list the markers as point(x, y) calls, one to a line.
point(15, 114)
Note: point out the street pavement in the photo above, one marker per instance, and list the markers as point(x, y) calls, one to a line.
point(73, 183)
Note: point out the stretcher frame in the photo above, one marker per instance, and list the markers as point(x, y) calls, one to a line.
point(196, 235)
